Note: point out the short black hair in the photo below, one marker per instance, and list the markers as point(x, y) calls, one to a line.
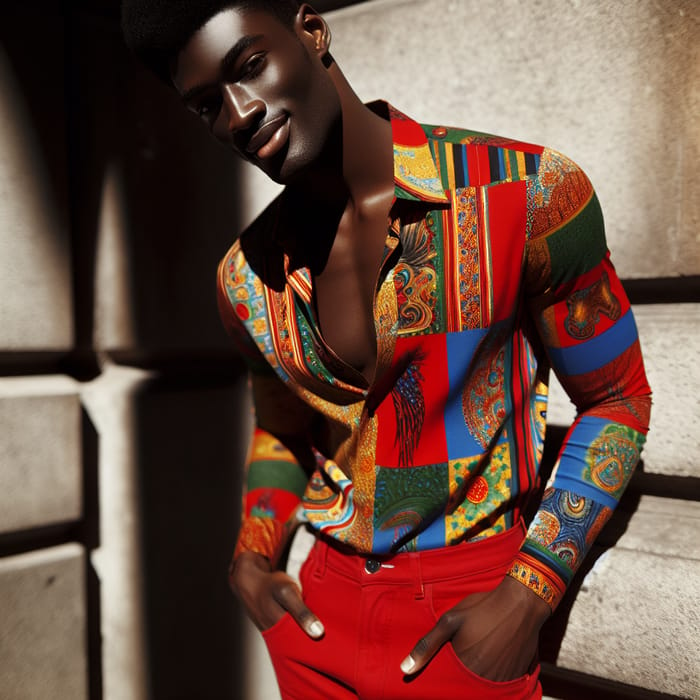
point(157, 30)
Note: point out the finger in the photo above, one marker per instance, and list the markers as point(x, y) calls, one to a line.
point(428, 646)
point(289, 597)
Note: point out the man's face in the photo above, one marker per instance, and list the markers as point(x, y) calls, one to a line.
point(261, 88)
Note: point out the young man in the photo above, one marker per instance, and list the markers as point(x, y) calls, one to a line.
point(399, 306)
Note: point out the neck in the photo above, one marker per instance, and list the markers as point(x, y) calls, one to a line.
point(357, 167)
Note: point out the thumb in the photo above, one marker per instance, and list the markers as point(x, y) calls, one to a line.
point(429, 645)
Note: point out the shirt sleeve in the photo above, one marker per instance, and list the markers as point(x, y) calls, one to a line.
point(279, 459)
point(587, 328)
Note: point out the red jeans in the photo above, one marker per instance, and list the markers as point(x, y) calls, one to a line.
point(375, 610)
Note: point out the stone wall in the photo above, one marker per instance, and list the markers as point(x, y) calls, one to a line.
point(122, 406)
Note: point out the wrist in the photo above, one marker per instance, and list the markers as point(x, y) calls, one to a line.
point(529, 604)
point(245, 565)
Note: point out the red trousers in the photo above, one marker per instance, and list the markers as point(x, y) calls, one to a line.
point(375, 610)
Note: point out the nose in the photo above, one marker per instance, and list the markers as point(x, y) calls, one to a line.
point(240, 109)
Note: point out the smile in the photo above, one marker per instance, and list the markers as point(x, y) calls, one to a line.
point(270, 137)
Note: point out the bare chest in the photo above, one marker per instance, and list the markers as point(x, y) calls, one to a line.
point(345, 293)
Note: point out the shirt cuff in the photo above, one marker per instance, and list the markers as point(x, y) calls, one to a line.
point(538, 578)
point(260, 535)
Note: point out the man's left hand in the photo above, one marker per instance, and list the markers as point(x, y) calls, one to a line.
point(494, 634)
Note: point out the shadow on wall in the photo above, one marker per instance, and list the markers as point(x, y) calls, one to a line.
point(137, 286)
point(188, 437)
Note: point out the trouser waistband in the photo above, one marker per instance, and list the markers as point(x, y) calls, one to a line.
point(417, 568)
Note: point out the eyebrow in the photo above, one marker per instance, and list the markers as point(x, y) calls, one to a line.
point(232, 55)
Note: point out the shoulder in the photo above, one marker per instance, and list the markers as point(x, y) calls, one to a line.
point(469, 137)
point(560, 195)
point(564, 227)
point(469, 158)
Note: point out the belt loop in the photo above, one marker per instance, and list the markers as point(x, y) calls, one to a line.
point(417, 573)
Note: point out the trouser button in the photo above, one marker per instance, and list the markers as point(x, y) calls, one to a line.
point(372, 566)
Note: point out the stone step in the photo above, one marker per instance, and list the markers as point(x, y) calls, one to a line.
point(636, 614)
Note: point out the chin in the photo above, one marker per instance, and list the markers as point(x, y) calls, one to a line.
point(289, 171)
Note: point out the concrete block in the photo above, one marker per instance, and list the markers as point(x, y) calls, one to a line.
point(667, 527)
point(43, 630)
point(636, 620)
point(670, 339)
point(167, 198)
point(170, 455)
point(35, 267)
point(40, 452)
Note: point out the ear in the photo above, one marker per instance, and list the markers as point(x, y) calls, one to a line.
point(313, 31)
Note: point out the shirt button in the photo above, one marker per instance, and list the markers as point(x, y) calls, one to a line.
point(372, 566)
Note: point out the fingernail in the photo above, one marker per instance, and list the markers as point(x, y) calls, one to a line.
point(316, 628)
point(408, 664)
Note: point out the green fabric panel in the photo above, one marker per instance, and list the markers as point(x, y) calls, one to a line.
point(435, 218)
point(513, 159)
point(579, 245)
point(277, 474)
point(400, 193)
point(548, 559)
point(453, 135)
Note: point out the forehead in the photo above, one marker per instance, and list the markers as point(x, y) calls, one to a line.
point(224, 36)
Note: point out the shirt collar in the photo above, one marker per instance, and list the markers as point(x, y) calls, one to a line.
point(415, 173)
point(416, 178)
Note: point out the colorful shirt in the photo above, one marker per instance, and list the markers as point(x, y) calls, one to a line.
point(495, 268)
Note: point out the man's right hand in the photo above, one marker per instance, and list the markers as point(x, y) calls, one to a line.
point(268, 594)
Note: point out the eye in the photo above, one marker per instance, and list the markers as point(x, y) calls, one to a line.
point(253, 66)
point(208, 107)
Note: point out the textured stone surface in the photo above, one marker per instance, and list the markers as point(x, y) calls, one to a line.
point(40, 452)
point(616, 86)
point(35, 282)
point(670, 338)
point(118, 559)
point(164, 202)
point(42, 635)
point(664, 526)
point(170, 453)
point(636, 620)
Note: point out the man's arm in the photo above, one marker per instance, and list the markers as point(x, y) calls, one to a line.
point(275, 476)
point(585, 324)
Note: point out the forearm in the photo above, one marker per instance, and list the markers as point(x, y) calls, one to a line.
point(594, 466)
point(274, 484)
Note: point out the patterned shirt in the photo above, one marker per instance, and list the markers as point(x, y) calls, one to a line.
point(495, 268)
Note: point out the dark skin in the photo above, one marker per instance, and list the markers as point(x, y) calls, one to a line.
point(279, 102)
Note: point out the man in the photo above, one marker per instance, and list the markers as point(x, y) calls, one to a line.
point(399, 306)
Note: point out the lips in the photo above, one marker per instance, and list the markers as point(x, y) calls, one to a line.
point(270, 137)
